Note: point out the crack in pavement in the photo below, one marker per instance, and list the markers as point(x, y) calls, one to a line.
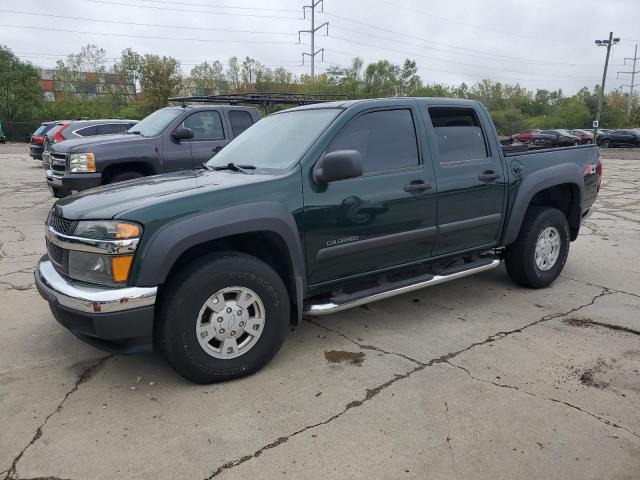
point(85, 376)
point(371, 393)
point(600, 286)
point(446, 413)
point(550, 399)
point(585, 322)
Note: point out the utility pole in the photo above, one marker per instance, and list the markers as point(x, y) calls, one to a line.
point(603, 43)
point(313, 52)
point(633, 77)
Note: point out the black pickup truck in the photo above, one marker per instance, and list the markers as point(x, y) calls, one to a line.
point(311, 211)
point(170, 139)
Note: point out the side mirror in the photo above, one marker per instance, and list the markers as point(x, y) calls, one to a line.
point(338, 165)
point(182, 134)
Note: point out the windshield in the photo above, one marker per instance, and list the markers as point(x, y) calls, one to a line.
point(155, 123)
point(277, 141)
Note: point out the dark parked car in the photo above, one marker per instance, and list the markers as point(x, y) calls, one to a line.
point(3, 139)
point(618, 138)
point(312, 210)
point(561, 138)
point(37, 139)
point(585, 136)
point(170, 139)
point(534, 137)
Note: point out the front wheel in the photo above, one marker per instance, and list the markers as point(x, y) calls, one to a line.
point(606, 143)
point(222, 316)
point(540, 252)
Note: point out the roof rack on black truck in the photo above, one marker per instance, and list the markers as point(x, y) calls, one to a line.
point(312, 210)
point(179, 137)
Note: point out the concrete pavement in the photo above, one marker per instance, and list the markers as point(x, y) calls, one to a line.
point(477, 378)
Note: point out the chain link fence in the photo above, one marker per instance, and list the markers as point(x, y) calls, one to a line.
point(18, 131)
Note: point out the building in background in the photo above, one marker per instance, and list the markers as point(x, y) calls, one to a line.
point(58, 84)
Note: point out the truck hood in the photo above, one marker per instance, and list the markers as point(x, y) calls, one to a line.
point(87, 144)
point(109, 201)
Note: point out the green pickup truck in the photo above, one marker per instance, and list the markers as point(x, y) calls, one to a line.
point(310, 211)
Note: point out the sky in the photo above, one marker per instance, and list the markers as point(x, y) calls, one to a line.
point(538, 44)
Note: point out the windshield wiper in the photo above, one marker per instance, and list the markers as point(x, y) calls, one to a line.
point(235, 168)
point(134, 132)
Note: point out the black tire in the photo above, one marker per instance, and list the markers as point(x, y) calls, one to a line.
point(606, 143)
point(122, 176)
point(186, 293)
point(520, 256)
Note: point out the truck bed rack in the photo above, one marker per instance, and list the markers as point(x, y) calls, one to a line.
point(266, 99)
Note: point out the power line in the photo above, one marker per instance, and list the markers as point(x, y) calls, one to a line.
point(452, 61)
point(633, 77)
point(171, 2)
point(466, 74)
point(256, 42)
point(110, 3)
point(473, 53)
point(480, 27)
point(148, 24)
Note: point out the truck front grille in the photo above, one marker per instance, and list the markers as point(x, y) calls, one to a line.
point(59, 224)
point(58, 163)
point(56, 254)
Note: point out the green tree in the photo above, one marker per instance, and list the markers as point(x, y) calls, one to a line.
point(21, 98)
point(208, 78)
point(160, 78)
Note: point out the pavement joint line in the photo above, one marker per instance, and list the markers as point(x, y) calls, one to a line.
point(85, 376)
point(371, 393)
point(550, 399)
point(600, 286)
point(363, 346)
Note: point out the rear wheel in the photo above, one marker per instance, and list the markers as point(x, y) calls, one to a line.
point(606, 143)
point(540, 252)
point(222, 316)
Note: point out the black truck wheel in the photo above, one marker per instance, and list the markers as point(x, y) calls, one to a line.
point(539, 253)
point(222, 316)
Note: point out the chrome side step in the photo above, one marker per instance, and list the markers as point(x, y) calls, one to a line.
point(318, 309)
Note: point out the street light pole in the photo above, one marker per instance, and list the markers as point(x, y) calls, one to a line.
point(603, 43)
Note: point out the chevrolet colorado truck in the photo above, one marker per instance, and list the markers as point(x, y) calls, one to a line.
point(311, 211)
point(170, 139)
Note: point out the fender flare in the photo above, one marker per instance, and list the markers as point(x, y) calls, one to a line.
point(566, 173)
point(170, 242)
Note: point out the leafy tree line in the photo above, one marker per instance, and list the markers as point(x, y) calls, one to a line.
point(513, 107)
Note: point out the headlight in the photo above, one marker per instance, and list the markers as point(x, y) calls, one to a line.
point(100, 269)
point(118, 240)
point(106, 230)
point(82, 162)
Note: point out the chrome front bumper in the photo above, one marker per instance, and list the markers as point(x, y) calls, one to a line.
point(89, 299)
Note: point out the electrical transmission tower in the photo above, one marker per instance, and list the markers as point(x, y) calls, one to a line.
point(313, 52)
point(633, 77)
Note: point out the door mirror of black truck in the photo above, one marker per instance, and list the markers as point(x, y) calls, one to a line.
point(338, 165)
point(182, 134)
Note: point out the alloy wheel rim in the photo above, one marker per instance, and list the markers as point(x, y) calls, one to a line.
point(547, 248)
point(230, 322)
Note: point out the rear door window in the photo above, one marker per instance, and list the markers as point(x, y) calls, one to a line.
point(459, 135)
point(240, 121)
point(87, 131)
point(206, 125)
point(111, 128)
point(386, 140)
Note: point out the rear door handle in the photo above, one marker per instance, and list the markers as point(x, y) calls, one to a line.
point(417, 186)
point(216, 149)
point(488, 176)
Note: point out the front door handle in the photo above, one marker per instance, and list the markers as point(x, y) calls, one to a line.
point(488, 176)
point(417, 186)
